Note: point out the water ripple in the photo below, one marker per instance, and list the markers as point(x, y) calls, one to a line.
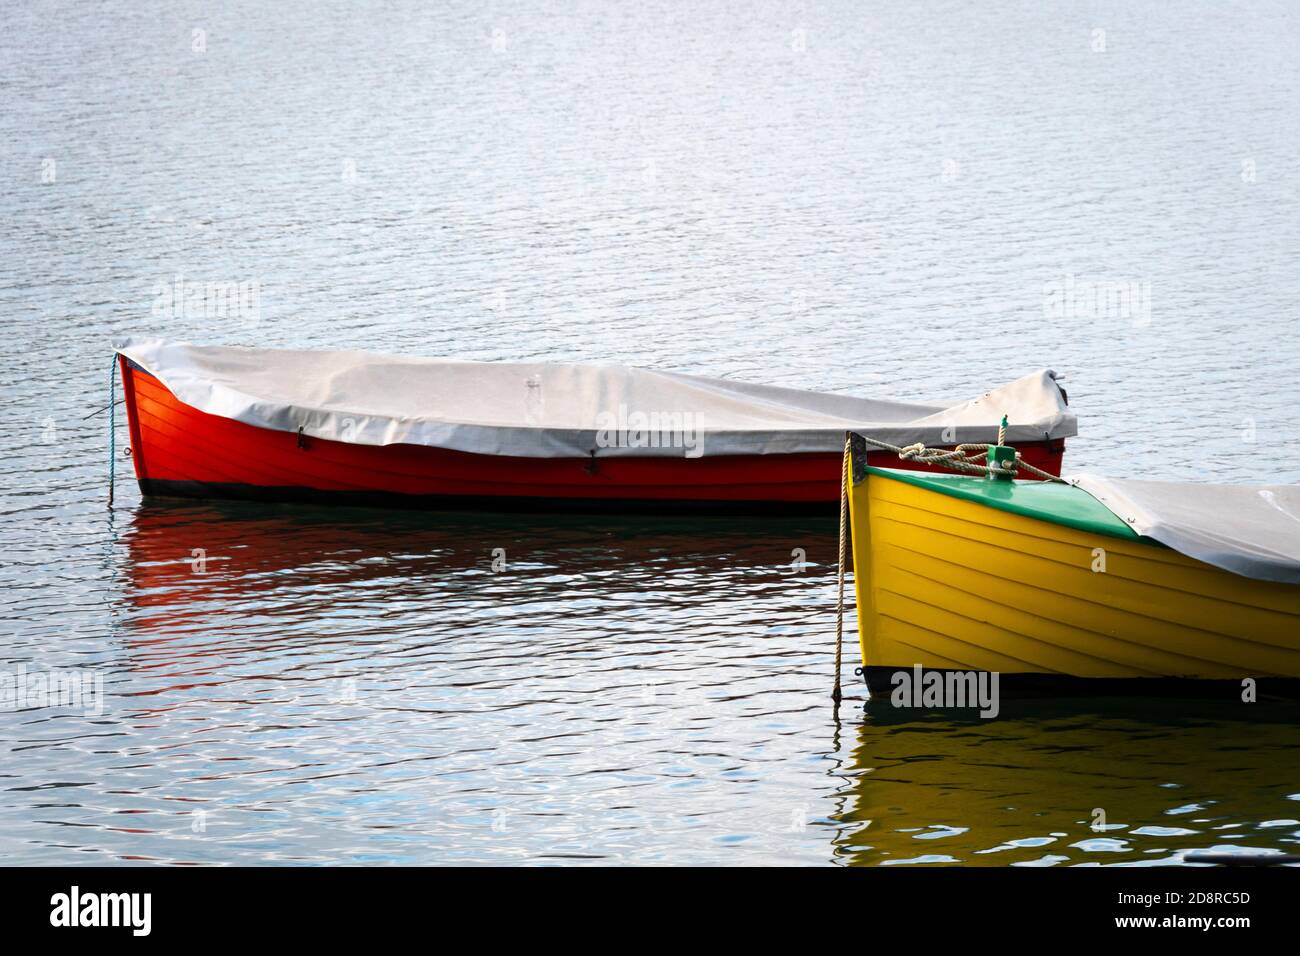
point(851, 199)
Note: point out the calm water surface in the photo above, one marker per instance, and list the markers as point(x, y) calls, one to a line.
point(813, 194)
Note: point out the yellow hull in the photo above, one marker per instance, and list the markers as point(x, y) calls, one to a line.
point(949, 583)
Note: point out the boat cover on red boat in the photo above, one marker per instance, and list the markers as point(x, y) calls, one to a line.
point(561, 410)
point(349, 427)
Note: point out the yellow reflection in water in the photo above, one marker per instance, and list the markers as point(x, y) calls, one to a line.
point(1070, 782)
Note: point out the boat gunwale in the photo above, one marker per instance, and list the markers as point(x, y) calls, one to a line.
point(964, 488)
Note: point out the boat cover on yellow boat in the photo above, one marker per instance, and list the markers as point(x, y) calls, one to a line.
point(1253, 530)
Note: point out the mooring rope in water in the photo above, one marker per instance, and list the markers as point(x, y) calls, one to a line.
point(961, 458)
point(844, 528)
point(112, 428)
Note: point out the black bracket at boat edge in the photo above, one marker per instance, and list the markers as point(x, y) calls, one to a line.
point(858, 455)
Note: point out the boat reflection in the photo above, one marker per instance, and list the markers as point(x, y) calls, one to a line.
point(230, 601)
point(187, 561)
point(1069, 782)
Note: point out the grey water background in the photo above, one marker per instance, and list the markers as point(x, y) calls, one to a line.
point(873, 199)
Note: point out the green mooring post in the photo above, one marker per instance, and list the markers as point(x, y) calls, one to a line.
point(1001, 458)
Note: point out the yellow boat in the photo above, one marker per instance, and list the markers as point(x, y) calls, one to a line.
point(1042, 584)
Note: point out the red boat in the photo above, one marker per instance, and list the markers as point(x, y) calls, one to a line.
point(354, 428)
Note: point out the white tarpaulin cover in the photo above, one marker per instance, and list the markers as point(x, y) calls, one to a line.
point(1253, 530)
point(556, 410)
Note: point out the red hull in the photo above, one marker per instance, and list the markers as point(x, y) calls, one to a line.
point(181, 451)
